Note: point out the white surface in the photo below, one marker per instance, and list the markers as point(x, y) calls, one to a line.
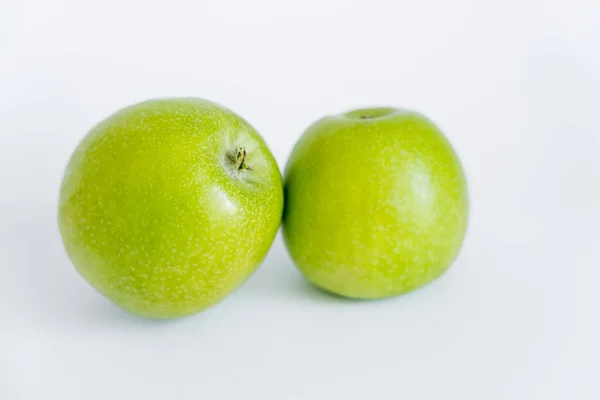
point(514, 84)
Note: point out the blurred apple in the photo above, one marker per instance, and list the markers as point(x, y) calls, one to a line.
point(375, 203)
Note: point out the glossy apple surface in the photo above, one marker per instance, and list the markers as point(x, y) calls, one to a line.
point(168, 205)
point(375, 203)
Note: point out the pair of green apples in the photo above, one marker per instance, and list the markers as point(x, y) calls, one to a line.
point(169, 205)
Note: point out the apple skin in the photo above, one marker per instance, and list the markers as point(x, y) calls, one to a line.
point(155, 213)
point(375, 203)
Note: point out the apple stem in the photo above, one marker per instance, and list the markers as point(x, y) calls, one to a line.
point(240, 159)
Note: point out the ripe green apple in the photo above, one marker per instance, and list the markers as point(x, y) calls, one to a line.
point(168, 205)
point(375, 203)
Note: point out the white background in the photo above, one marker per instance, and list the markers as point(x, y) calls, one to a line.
point(514, 84)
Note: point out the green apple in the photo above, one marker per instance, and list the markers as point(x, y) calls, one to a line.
point(375, 203)
point(168, 205)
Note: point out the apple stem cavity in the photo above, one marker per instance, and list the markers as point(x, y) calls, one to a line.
point(240, 159)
